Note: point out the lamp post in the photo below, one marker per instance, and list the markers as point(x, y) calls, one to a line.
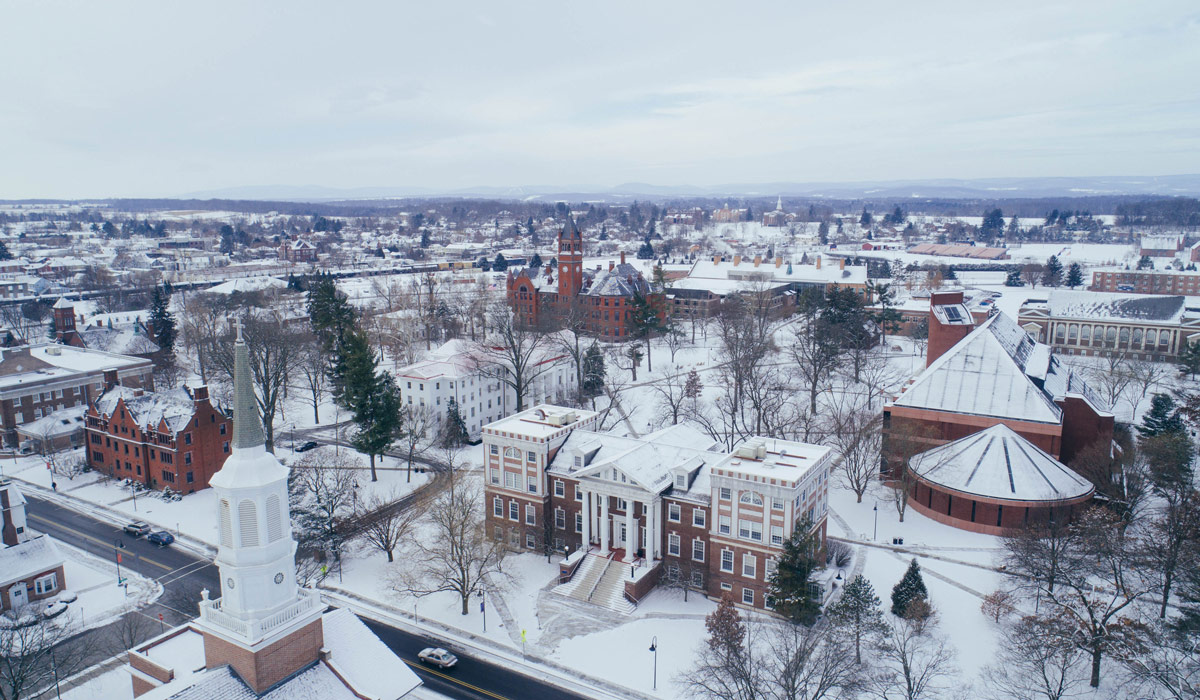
point(654, 650)
point(875, 536)
point(483, 606)
point(118, 545)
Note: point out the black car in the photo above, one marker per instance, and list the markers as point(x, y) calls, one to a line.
point(310, 445)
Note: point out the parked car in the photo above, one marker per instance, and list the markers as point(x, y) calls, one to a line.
point(54, 610)
point(68, 596)
point(437, 657)
point(310, 445)
point(162, 538)
point(137, 528)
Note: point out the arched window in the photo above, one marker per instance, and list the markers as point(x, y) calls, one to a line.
point(512, 452)
point(274, 521)
point(1124, 337)
point(1072, 333)
point(1151, 338)
point(248, 523)
point(751, 497)
point(226, 525)
point(1085, 334)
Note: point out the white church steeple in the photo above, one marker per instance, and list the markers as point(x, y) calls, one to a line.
point(256, 552)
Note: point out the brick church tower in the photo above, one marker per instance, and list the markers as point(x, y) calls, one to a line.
point(263, 625)
point(570, 260)
point(64, 322)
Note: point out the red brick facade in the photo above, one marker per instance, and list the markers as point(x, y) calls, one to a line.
point(263, 668)
point(31, 593)
point(989, 516)
point(154, 455)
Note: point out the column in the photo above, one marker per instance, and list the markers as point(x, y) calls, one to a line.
point(604, 526)
point(587, 520)
point(631, 534)
point(652, 531)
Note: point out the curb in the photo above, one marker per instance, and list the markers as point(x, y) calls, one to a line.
point(540, 670)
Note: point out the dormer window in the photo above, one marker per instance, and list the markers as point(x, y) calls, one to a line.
point(578, 461)
point(681, 481)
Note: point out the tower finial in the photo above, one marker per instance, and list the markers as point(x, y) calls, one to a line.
point(237, 323)
point(247, 424)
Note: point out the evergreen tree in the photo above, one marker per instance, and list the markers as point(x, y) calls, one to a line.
point(454, 430)
point(948, 273)
point(1014, 229)
point(533, 237)
point(329, 311)
point(162, 323)
point(1052, 277)
point(377, 415)
point(424, 239)
point(693, 386)
point(535, 261)
point(1161, 418)
point(4, 254)
point(1145, 263)
point(865, 220)
point(910, 588)
point(858, 614)
point(789, 587)
point(647, 320)
point(1014, 278)
point(593, 371)
point(1074, 276)
point(501, 264)
point(1189, 360)
point(823, 232)
point(646, 251)
point(992, 226)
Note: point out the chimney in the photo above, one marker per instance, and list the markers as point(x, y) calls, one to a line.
point(200, 394)
point(778, 262)
point(841, 263)
point(818, 258)
point(622, 257)
point(611, 265)
point(110, 379)
point(737, 260)
point(7, 509)
point(716, 260)
point(757, 260)
point(138, 392)
point(944, 335)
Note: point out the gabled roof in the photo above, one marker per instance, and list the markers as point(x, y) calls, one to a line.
point(999, 463)
point(987, 373)
point(125, 341)
point(174, 406)
point(623, 280)
point(33, 556)
point(649, 460)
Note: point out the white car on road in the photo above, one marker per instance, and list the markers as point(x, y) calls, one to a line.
point(438, 657)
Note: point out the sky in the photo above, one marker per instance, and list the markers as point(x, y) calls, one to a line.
point(163, 99)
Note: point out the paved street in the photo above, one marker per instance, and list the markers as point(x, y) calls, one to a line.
point(183, 575)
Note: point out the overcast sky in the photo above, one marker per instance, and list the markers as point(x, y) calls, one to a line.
point(164, 98)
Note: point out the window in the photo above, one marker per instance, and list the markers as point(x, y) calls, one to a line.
point(514, 511)
point(579, 523)
point(697, 579)
point(698, 517)
point(698, 549)
point(727, 560)
point(749, 565)
point(531, 457)
point(168, 477)
point(225, 447)
point(560, 489)
point(724, 493)
point(223, 428)
point(530, 542)
point(748, 596)
point(723, 524)
point(726, 586)
point(776, 535)
point(45, 584)
point(191, 477)
point(560, 519)
point(673, 512)
point(510, 480)
point(750, 530)
point(776, 504)
point(681, 481)
point(578, 493)
point(187, 438)
point(578, 461)
point(494, 449)
point(187, 457)
point(530, 515)
point(498, 507)
point(494, 475)
point(751, 498)
point(772, 564)
point(16, 402)
point(531, 482)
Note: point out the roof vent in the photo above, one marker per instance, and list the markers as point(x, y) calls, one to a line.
point(539, 414)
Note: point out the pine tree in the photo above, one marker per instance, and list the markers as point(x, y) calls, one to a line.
point(329, 311)
point(163, 325)
point(424, 239)
point(948, 273)
point(1014, 279)
point(864, 220)
point(910, 588)
point(501, 264)
point(789, 587)
point(4, 254)
point(377, 415)
point(726, 632)
point(454, 430)
point(992, 226)
point(858, 613)
point(1014, 229)
point(1052, 277)
point(692, 386)
point(1074, 276)
point(1189, 360)
point(646, 251)
point(1145, 263)
point(823, 232)
point(593, 371)
point(535, 261)
point(1162, 418)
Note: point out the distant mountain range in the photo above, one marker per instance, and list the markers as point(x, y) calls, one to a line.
point(946, 188)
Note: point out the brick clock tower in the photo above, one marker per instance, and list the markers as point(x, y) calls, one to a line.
point(64, 321)
point(570, 260)
point(263, 625)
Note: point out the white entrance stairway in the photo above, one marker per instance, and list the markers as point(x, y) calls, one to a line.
point(600, 581)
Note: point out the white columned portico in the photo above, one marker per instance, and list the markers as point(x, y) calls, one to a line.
point(605, 529)
point(652, 531)
point(587, 520)
point(631, 533)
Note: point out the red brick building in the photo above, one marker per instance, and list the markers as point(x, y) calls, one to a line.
point(1146, 282)
point(604, 297)
point(172, 439)
point(31, 567)
point(298, 251)
point(636, 510)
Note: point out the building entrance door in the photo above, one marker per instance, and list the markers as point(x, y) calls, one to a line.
point(620, 539)
point(17, 595)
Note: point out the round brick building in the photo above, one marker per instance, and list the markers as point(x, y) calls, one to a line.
point(994, 482)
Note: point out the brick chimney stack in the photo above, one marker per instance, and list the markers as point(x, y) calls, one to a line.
point(622, 257)
point(841, 263)
point(949, 322)
point(737, 260)
point(818, 259)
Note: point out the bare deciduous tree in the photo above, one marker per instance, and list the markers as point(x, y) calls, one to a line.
point(275, 352)
point(1034, 661)
point(384, 522)
point(513, 353)
point(858, 436)
point(32, 654)
point(915, 662)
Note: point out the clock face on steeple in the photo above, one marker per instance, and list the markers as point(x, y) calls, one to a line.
point(229, 583)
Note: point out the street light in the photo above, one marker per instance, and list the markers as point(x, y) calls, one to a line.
point(875, 537)
point(654, 650)
point(117, 546)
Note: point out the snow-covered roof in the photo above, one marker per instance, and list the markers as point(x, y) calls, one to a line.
point(541, 421)
point(623, 280)
point(175, 406)
point(33, 556)
point(247, 284)
point(61, 422)
point(999, 463)
point(649, 461)
point(1102, 306)
point(829, 272)
point(992, 372)
point(363, 660)
point(81, 359)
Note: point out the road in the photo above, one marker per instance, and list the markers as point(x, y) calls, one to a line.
point(183, 575)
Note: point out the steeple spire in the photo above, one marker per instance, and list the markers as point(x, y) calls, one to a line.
point(247, 424)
